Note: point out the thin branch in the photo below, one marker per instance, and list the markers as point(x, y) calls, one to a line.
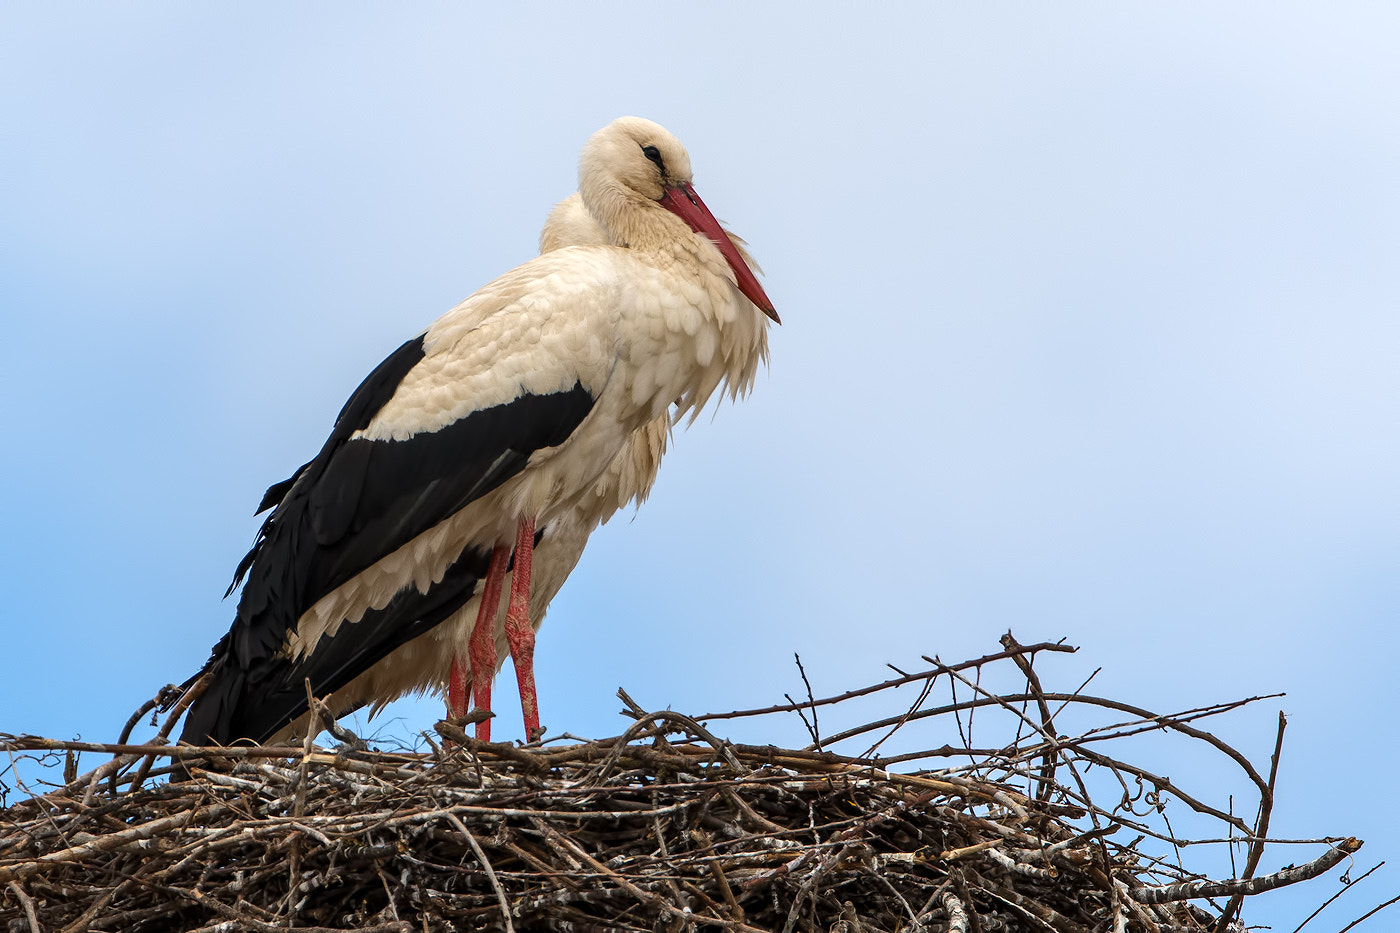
point(1241, 887)
point(888, 684)
point(1346, 886)
point(1261, 828)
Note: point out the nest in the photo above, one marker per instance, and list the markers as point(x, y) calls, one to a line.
point(665, 827)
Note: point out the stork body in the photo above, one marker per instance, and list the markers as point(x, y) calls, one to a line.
point(497, 421)
point(628, 478)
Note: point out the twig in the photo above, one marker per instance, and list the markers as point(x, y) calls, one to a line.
point(1368, 914)
point(1261, 829)
point(1346, 886)
point(812, 727)
point(486, 867)
point(644, 831)
point(885, 685)
point(28, 904)
point(957, 914)
point(1241, 887)
point(1047, 720)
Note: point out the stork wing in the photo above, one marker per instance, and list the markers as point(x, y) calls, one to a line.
point(257, 701)
point(357, 501)
point(361, 499)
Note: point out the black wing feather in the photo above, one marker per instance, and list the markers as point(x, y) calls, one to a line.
point(254, 703)
point(356, 502)
point(358, 411)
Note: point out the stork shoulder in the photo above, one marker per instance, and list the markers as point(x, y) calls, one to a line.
point(540, 329)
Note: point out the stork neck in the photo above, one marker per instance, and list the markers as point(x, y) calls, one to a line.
point(631, 220)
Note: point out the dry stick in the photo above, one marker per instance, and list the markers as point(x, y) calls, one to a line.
point(1000, 795)
point(1261, 829)
point(1083, 790)
point(645, 897)
point(161, 737)
point(805, 890)
point(633, 709)
point(943, 751)
point(636, 712)
point(486, 867)
point(1346, 886)
point(963, 733)
point(908, 714)
point(93, 779)
point(886, 685)
point(730, 900)
point(1030, 907)
point(685, 722)
point(28, 904)
point(665, 851)
point(971, 715)
point(259, 926)
point(882, 880)
point(1166, 722)
point(1242, 887)
point(341, 734)
point(110, 841)
point(142, 772)
point(1162, 784)
point(83, 923)
point(31, 743)
point(50, 816)
point(957, 914)
point(812, 726)
point(397, 785)
point(840, 838)
point(160, 699)
point(1022, 868)
point(933, 904)
point(696, 893)
point(1097, 735)
point(1375, 910)
point(1100, 845)
point(1138, 726)
point(950, 784)
point(1079, 690)
point(198, 686)
point(959, 883)
point(313, 726)
point(454, 733)
point(1153, 720)
point(977, 848)
point(1047, 721)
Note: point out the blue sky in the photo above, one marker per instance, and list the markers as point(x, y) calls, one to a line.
point(1090, 332)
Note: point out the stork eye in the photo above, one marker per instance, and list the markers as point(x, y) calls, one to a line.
point(651, 152)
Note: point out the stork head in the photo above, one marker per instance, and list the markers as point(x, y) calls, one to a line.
point(634, 157)
point(630, 167)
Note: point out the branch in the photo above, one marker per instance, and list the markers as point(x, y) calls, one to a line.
point(1243, 887)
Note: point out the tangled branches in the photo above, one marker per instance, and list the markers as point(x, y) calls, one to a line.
point(666, 827)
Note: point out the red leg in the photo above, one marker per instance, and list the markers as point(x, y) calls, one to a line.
point(457, 688)
point(481, 648)
point(519, 632)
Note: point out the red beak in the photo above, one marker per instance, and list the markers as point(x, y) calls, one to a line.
point(686, 204)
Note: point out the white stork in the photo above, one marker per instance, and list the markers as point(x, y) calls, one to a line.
point(497, 420)
point(627, 479)
point(445, 657)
